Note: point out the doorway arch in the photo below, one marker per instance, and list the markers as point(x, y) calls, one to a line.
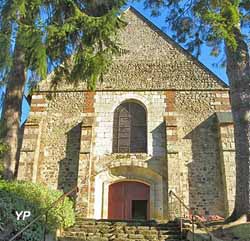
point(129, 200)
point(115, 174)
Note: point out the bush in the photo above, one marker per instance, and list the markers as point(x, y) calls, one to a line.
point(26, 196)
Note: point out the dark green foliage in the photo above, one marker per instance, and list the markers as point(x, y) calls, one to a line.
point(51, 32)
point(91, 41)
point(20, 26)
point(26, 196)
point(75, 39)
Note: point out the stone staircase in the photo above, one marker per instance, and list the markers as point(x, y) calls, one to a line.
point(117, 230)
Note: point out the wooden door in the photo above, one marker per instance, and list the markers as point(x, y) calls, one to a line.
point(123, 198)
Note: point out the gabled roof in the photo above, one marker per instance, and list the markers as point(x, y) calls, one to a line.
point(172, 42)
point(151, 61)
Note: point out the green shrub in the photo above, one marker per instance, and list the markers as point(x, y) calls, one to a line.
point(26, 196)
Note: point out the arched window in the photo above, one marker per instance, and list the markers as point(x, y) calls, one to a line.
point(130, 128)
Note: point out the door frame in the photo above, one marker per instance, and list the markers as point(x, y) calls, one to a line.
point(106, 178)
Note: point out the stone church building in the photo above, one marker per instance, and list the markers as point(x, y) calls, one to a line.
point(159, 122)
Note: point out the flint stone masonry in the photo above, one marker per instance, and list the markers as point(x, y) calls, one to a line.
point(151, 60)
point(68, 137)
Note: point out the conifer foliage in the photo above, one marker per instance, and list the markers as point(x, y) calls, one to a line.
point(75, 39)
point(88, 35)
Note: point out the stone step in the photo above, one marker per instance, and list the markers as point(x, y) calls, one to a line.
point(79, 225)
point(124, 223)
point(120, 230)
point(123, 237)
point(143, 232)
point(94, 238)
point(148, 235)
point(166, 226)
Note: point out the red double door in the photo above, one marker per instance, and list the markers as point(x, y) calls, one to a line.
point(128, 200)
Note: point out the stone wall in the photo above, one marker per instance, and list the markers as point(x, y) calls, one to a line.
point(70, 143)
point(150, 60)
point(196, 152)
point(152, 165)
point(68, 137)
point(227, 154)
point(31, 149)
point(57, 142)
point(27, 160)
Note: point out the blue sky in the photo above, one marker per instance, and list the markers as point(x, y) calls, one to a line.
point(205, 57)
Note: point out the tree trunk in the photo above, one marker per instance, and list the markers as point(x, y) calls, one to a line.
point(12, 111)
point(238, 71)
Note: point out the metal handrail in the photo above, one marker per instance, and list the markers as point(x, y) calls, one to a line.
point(192, 215)
point(62, 197)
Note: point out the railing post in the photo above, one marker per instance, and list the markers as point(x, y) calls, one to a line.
point(193, 224)
point(210, 238)
point(172, 206)
point(171, 193)
point(45, 229)
point(181, 221)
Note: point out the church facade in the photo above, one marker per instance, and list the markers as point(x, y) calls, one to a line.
point(159, 122)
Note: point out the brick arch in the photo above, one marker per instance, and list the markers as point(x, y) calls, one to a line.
point(133, 97)
point(132, 180)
